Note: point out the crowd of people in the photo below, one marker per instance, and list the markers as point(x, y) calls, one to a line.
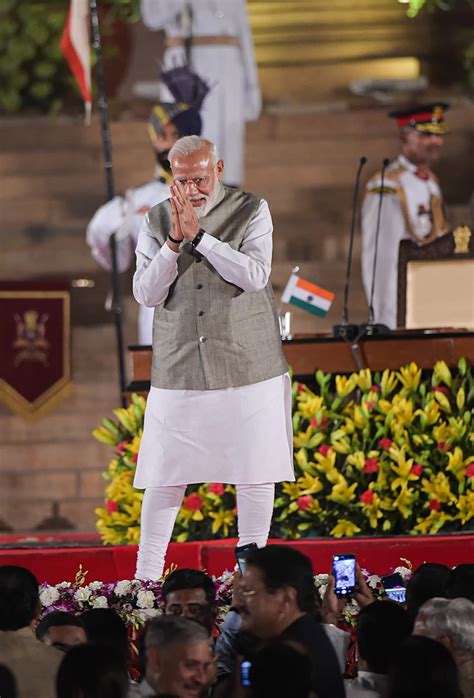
point(278, 640)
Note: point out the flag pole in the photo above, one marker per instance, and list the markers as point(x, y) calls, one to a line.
point(117, 307)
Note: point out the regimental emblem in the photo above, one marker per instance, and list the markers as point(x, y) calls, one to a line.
point(462, 236)
point(425, 220)
point(437, 114)
point(31, 344)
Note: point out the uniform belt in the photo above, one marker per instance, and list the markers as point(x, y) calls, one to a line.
point(174, 41)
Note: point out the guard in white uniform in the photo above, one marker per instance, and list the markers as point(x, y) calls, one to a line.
point(222, 54)
point(219, 407)
point(411, 205)
point(124, 215)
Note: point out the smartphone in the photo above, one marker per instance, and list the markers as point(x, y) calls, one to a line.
point(394, 587)
point(344, 572)
point(241, 553)
point(245, 673)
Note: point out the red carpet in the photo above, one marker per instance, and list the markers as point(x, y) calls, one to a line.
point(111, 563)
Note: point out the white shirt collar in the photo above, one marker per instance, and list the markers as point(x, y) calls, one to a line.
point(406, 164)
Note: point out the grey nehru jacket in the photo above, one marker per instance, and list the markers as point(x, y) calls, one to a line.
point(209, 334)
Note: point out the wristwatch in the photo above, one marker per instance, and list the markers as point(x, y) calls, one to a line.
point(198, 238)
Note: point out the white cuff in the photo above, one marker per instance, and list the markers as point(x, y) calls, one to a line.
point(168, 253)
point(206, 243)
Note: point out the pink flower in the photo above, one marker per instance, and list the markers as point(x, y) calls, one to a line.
point(434, 504)
point(193, 502)
point(370, 405)
point(375, 388)
point(111, 506)
point(216, 488)
point(121, 446)
point(304, 502)
point(417, 469)
point(443, 446)
point(324, 449)
point(319, 425)
point(441, 389)
point(385, 443)
point(134, 457)
point(367, 497)
point(371, 465)
point(300, 388)
point(470, 470)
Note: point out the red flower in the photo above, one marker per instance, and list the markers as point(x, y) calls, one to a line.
point(367, 497)
point(417, 469)
point(443, 446)
point(441, 389)
point(324, 449)
point(134, 457)
point(300, 388)
point(376, 388)
point(304, 502)
point(385, 443)
point(470, 470)
point(193, 502)
point(216, 488)
point(370, 405)
point(434, 504)
point(111, 506)
point(121, 446)
point(319, 425)
point(371, 465)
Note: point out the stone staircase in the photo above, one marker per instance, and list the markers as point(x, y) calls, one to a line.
point(303, 163)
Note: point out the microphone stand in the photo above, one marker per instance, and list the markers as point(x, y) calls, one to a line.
point(345, 330)
point(371, 328)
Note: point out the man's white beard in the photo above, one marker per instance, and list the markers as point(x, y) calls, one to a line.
point(211, 200)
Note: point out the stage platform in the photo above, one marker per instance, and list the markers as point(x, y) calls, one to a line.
point(56, 558)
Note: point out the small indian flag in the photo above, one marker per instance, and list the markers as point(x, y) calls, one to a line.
point(308, 296)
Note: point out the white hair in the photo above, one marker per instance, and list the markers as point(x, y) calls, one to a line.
point(192, 144)
point(453, 618)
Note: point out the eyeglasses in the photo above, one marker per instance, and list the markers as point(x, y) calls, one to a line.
point(194, 609)
point(197, 181)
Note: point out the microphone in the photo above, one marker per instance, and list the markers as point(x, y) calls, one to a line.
point(370, 328)
point(345, 330)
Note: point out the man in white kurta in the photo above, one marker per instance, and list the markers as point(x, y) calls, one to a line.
point(222, 54)
point(124, 215)
point(411, 206)
point(240, 433)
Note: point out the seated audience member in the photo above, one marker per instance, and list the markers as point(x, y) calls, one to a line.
point(451, 622)
point(105, 627)
point(428, 580)
point(192, 594)
point(179, 659)
point(89, 671)
point(381, 628)
point(277, 599)
point(61, 630)
point(32, 663)
point(280, 670)
point(423, 668)
point(461, 583)
point(7, 683)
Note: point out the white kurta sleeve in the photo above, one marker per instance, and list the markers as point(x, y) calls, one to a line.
point(156, 14)
point(111, 218)
point(249, 267)
point(392, 231)
point(253, 97)
point(157, 268)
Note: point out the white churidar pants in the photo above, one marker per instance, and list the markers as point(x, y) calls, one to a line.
point(161, 506)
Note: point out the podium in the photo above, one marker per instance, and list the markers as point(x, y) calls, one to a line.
point(306, 354)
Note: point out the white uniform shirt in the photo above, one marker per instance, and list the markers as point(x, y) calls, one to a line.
point(395, 226)
point(230, 71)
point(236, 435)
point(124, 215)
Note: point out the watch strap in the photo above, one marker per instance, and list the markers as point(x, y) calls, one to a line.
point(198, 238)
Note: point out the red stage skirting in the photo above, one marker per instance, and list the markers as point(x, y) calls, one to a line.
point(111, 563)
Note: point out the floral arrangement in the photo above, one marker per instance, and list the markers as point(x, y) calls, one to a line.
point(136, 601)
point(375, 453)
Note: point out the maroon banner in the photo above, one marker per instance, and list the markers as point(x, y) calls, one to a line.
point(35, 332)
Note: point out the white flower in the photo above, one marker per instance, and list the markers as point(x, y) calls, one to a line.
point(63, 585)
point(82, 594)
point(404, 572)
point(123, 587)
point(49, 595)
point(100, 602)
point(373, 581)
point(95, 586)
point(145, 599)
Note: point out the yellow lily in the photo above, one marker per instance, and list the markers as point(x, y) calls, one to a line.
point(373, 509)
point(437, 487)
point(360, 417)
point(309, 484)
point(364, 379)
point(222, 519)
point(460, 398)
point(410, 376)
point(465, 506)
point(442, 373)
point(404, 501)
point(403, 411)
point(388, 382)
point(344, 528)
point(432, 523)
point(309, 405)
point(357, 459)
point(384, 406)
point(301, 457)
point(292, 489)
point(456, 463)
point(303, 437)
point(345, 386)
point(341, 492)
